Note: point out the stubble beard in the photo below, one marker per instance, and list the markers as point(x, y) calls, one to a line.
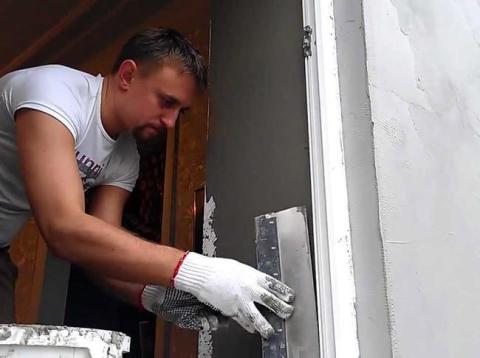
point(148, 143)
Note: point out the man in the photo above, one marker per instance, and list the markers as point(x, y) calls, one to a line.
point(63, 131)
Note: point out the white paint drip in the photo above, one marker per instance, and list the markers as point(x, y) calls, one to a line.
point(205, 338)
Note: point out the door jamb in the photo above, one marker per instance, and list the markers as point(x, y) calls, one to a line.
point(335, 284)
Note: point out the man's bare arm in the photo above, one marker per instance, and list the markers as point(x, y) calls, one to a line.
point(107, 203)
point(46, 154)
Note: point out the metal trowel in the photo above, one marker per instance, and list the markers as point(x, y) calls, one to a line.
point(283, 251)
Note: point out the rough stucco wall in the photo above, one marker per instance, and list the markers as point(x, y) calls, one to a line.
point(423, 60)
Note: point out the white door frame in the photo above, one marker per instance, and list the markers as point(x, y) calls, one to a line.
point(335, 284)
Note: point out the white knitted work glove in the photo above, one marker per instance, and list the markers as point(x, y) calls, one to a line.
point(179, 307)
point(233, 288)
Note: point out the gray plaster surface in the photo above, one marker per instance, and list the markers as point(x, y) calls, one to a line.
point(257, 141)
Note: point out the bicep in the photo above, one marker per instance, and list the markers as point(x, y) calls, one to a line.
point(107, 204)
point(47, 160)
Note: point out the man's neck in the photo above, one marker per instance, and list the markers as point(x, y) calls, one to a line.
point(107, 113)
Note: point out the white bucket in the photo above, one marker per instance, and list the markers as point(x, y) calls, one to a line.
point(35, 341)
point(14, 351)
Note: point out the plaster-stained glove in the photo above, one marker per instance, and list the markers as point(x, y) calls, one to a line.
point(233, 288)
point(178, 307)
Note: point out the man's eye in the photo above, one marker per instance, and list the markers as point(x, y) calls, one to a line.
point(182, 112)
point(166, 102)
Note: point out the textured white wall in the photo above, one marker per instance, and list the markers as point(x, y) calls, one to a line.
point(423, 61)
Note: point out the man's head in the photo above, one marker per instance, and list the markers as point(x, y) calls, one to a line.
point(156, 77)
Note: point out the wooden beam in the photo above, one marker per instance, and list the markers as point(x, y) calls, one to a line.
point(48, 36)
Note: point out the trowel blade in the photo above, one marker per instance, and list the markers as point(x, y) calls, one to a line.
point(283, 251)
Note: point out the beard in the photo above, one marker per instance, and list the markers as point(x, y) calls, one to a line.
point(150, 139)
point(148, 133)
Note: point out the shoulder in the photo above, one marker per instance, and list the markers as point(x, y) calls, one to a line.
point(64, 93)
point(56, 72)
point(59, 78)
point(51, 80)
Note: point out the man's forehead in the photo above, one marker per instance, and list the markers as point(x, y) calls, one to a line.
point(175, 100)
point(174, 83)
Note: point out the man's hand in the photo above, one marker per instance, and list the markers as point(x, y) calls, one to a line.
point(234, 288)
point(180, 308)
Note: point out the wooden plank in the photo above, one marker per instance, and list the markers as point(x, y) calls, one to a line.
point(190, 171)
point(29, 253)
point(48, 36)
point(161, 330)
point(24, 22)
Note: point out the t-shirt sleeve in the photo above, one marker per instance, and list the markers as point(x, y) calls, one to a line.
point(49, 93)
point(122, 170)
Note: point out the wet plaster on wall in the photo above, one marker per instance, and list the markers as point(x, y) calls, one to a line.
point(209, 236)
point(423, 60)
point(205, 339)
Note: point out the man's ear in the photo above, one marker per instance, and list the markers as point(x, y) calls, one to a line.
point(126, 73)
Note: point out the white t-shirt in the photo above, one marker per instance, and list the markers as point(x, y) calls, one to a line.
point(73, 98)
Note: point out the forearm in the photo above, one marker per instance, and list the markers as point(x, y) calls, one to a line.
point(110, 251)
point(168, 304)
point(128, 292)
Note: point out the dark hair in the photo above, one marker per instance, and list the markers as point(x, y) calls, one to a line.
point(158, 45)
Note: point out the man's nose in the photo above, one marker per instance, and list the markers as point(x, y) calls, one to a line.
point(169, 119)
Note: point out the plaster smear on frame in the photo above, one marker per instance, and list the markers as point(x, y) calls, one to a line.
point(205, 339)
point(209, 236)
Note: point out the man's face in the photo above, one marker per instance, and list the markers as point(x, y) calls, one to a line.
point(155, 100)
